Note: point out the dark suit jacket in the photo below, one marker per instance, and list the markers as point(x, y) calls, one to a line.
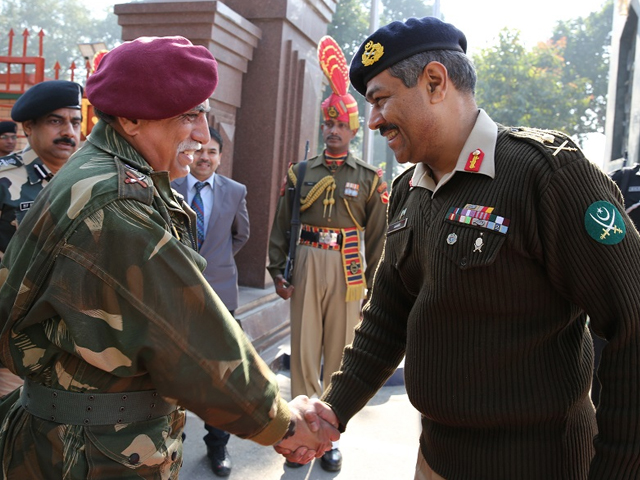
point(227, 232)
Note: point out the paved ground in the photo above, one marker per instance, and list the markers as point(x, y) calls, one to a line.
point(381, 442)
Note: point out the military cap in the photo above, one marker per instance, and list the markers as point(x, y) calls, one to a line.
point(399, 40)
point(45, 97)
point(152, 78)
point(8, 127)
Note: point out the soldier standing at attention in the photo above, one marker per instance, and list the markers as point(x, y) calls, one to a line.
point(103, 306)
point(343, 201)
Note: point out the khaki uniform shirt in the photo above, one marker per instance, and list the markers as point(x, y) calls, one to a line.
point(355, 197)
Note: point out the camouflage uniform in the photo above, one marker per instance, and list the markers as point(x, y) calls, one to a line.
point(103, 292)
point(22, 177)
point(351, 197)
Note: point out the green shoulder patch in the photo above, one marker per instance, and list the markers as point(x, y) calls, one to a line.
point(604, 223)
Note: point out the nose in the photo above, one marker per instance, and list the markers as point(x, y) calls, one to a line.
point(67, 129)
point(376, 120)
point(200, 132)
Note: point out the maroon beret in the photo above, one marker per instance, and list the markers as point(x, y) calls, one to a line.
point(152, 78)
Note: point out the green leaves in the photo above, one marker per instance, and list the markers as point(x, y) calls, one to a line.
point(559, 84)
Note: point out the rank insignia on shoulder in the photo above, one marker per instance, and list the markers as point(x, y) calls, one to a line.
point(561, 147)
point(382, 187)
point(604, 223)
point(134, 176)
point(380, 172)
point(384, 197)
point(12, 160)
point(536, 134)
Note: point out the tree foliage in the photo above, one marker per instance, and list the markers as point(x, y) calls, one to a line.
point(586, 50)
point(65, 23)
point(559, 84)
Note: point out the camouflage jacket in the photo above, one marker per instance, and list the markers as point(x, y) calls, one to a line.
point(22, 177)
point(102, 291)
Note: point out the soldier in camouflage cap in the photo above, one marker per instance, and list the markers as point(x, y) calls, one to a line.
point(104, 308)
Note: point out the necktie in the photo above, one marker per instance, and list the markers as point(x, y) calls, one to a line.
point(198, 207)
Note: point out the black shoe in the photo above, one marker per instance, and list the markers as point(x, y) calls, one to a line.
point(331, 461)
point(293, 464)
point(220, 461)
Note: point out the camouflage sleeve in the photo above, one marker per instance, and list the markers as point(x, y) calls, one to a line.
point(135, 304)
point(376, 226)
point(278, 240)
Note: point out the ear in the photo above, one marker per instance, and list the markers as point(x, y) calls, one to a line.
point(27, 127)
point(437, 80)
point(130, 126)
point(354, 133)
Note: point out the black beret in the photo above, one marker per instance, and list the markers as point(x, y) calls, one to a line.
point(8, 127)
point(45, 97)
point(394, 42)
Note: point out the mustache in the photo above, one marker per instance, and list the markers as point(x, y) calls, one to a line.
point(189, 145)
point(385, 128)
point(67, 140)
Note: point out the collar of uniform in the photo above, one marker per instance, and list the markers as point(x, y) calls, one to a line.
point(106, 138)
point(191, 180)
point(31, 159)
point(350, 160)
point(483, 136)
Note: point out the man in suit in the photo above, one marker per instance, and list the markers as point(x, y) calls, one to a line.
point(223, 229)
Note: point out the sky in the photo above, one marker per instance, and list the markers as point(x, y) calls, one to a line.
point(482, 20)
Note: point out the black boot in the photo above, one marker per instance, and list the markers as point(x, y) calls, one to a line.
point(220, 461)
point(331, 461)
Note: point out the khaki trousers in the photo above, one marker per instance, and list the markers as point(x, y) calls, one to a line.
point(322, 323)
point(423, 470)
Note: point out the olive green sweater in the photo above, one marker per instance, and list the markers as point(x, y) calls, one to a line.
point(498, 356)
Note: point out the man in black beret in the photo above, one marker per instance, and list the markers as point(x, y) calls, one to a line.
point(8, 137)
point(51, 117)
point(500, 242)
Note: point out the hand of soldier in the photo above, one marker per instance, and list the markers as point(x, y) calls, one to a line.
point(283, 289)
point(313, 434)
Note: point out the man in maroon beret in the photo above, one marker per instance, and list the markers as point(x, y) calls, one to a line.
point(104, 309)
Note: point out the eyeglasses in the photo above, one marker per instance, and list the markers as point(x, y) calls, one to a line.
point(6, 136)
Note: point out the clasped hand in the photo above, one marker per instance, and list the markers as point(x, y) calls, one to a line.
point(316, 428)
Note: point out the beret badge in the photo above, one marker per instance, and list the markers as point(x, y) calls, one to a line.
point(372, 53)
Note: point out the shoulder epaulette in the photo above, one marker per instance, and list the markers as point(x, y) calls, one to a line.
point(552, 143)
point(11, 161)
point(133, 183)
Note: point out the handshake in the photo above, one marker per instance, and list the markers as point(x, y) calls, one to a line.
point(315, 426)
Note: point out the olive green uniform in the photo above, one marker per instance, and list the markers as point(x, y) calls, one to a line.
point(329, 283)
point(102, 291)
